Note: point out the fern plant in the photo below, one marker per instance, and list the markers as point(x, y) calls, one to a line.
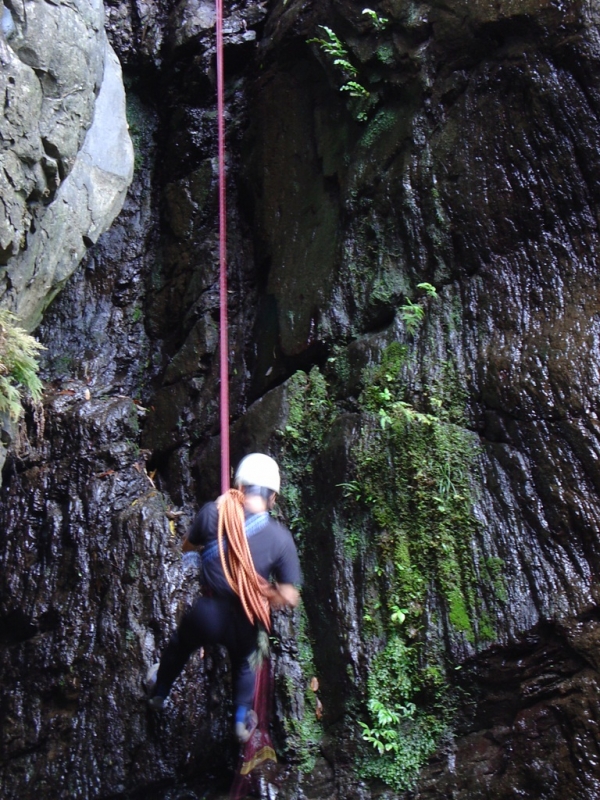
point(19, 352)
point(379, 23)
point(413, 314)
point(355, 89)
point(332, 46)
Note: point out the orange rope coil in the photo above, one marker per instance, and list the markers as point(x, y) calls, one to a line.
point(254, 591)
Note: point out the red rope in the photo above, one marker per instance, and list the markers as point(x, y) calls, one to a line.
point(223, 343)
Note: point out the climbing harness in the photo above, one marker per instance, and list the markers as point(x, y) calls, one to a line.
point(223, 343)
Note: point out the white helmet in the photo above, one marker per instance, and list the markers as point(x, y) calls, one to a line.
point(258, 469)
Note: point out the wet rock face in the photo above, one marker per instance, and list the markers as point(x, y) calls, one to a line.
point(542, 697)
point(104, 582)
point(66, 158)
point(469, 161)
point(93, 602)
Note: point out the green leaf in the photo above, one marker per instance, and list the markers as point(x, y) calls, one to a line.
point(355, 89)
point(428, 288)
point(346, 65)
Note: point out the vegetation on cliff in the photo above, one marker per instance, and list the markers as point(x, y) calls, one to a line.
point(18, 365)
point(408, 506)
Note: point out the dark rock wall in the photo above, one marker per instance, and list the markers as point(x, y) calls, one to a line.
point(472, 165)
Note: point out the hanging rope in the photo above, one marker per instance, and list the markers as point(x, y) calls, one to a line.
point(252, 589)
point(223, 343)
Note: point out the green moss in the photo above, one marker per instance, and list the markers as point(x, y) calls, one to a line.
point(458, 613)
point(486, 632)
point(402, 732)
point(310, 412)
point(416, 468)
point(339, 366)
point(134, 419)
point(387, 286)
point(309, 417)
point(393, 359)
point(448, 397)
point(495, 569)
point(352, 538)
point(137, 314)
point(385, 53)
point(383, 122)
point(133, 447)
point(304, 732)
point(140, 126)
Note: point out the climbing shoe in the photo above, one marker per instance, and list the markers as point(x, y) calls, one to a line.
point(155, 701)
point(245, 729)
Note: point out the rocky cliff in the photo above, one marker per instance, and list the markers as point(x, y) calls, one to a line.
point(66, 155)
point(413, 230)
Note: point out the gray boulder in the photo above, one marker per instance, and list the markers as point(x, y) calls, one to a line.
point(66, 155)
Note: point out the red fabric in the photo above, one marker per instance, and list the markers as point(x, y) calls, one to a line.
point(258, 752)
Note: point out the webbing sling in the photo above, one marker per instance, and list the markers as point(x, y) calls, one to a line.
point(254, 524)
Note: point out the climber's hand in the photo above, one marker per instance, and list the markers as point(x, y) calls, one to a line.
point(187, 546)
point(290, 596)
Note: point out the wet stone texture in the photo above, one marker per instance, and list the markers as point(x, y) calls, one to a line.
point(104, 582)
point(472, 165)
point(103, 575)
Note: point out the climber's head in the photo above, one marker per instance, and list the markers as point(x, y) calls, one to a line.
point(257, 476)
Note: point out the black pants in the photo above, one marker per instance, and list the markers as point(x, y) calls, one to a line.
point(212, 620)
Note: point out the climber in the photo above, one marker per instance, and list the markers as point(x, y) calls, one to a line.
point(243, 547)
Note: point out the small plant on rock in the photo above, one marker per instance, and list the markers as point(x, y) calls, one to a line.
point(336, 50)
point(379, 23)
point(18, 365)
point(332, 46)
point(413, 314)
